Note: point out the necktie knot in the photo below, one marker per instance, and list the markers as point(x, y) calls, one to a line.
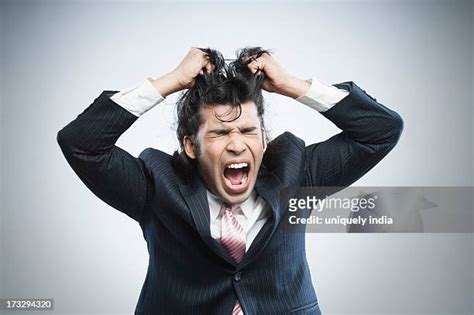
point(233, 208)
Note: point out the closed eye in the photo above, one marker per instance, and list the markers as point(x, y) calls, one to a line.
point(223, 131)
point(249, 130)
point(219, 132)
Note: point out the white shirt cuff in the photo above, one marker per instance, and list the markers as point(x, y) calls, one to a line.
point(321, 96)
point(138, 99)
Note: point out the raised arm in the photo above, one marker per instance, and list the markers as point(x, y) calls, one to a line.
point(370, 130)
point(88, 142)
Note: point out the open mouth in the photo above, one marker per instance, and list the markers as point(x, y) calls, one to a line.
point(237, 177)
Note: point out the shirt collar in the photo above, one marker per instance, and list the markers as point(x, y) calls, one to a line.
point(215, 204)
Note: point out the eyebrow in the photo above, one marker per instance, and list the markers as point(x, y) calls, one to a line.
point(223, 131)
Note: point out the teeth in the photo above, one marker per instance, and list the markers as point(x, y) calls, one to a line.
point(237, 165)
point(244, 179)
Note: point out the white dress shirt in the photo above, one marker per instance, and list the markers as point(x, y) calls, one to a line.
point(255, 212)
point(253, 216)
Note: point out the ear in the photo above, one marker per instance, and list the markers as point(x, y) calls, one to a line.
point(264, 140)
point(189, 148)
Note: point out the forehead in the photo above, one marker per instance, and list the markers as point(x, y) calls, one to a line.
point(221, 114)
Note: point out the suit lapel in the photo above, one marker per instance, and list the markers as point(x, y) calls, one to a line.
point(195, 196)
point(280, 164)
point(268, 187)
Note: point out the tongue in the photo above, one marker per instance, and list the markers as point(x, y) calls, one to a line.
point(234, 175)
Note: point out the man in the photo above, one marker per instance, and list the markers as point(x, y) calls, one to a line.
point(211, 214)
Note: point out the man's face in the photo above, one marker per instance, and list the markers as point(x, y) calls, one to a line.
point(230, 152)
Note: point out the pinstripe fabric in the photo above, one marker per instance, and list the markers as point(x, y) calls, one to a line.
point(189, 272)
point(233, 240)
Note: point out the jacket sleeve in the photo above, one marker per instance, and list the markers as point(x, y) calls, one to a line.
point(112, 174)
point(369, 132)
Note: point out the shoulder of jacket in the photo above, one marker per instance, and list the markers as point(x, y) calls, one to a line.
point(287, 138)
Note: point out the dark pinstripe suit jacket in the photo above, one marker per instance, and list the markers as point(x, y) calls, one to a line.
point(189, 272)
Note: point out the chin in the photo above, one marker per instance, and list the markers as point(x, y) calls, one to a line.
point(237, 198)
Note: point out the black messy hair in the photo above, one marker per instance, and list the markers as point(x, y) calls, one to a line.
point(231, 84)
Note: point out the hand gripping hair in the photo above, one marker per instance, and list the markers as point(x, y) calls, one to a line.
point(231, 84)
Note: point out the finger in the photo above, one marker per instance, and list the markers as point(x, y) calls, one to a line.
point(254, 67)
point(209, 67)
point(259, 63)
point(206, 66)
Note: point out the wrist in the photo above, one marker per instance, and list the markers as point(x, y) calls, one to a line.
point(167, 84)
point(295, 87)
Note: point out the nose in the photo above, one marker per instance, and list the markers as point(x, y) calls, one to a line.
point(236, 143)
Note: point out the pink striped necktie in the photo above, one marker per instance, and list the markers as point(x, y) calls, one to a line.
point(233, 240)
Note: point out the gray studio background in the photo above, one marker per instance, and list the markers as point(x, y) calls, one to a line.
point(59, 241)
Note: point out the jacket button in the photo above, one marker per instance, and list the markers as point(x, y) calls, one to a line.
point(237, 276)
